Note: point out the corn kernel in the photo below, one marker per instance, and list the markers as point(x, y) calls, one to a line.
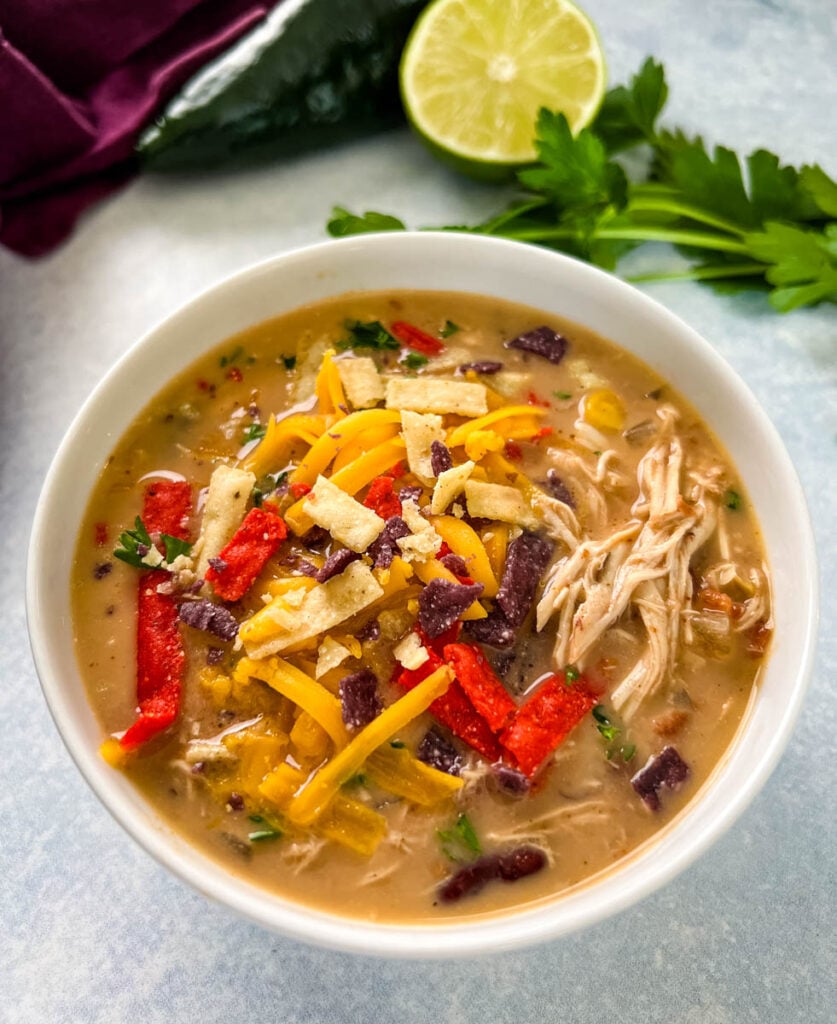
point(604, 411)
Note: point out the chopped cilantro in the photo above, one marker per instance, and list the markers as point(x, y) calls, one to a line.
point(608, 730)
point(397, 744)
point(137, 549)
point(371, 334)
point(232, 357)
point(413, 360)
point(460, 842)
point(564, 396)
point(289, 362)
point(449, 329)
point(254, 432)
point(628, 752)
point(732, 499)
point(571, 675)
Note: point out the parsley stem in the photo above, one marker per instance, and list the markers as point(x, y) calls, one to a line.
point(703, 273)
point(660, 204)
point(696, 239)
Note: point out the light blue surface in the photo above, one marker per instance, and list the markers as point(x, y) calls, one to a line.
point(93, 930)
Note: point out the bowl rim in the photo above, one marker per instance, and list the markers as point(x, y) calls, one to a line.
point(623, 884)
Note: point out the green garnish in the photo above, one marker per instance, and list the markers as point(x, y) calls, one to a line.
point(137, 549)
point(260, 835)
point(564, 396)
point(254, 432)
point(628, 752)
point(289, 362)
point(732, 499)
point(232, 358)
point(397, 744)
point(267, 485)
point(413, 360)
point(174, 547)
point(344, 223)
point(371, 334)
point(449, 329)
point(460, 842)
point(270, 830)
point(767, 225)
point(608, 730)
point(571, 675)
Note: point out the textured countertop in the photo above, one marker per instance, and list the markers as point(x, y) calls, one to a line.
point(93, 930)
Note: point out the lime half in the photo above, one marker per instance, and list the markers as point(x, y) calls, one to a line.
point(475, 73)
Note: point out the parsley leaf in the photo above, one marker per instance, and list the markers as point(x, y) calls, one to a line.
point(137, 548)
point(821, 189)
point(460, 842)
point(449, 329)
point(343, 223)
point(802, 265)
point(371, 334)
point(174, 547)
point(135, 545)
point(575, 172)
point(571, 675)
point(629, 113)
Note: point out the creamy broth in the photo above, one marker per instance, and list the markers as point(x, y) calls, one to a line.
point(582, 809)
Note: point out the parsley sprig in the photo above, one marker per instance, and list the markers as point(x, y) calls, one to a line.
point(137, 548)
point(764, 224)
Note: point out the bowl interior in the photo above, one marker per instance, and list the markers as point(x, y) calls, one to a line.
point(446, 262)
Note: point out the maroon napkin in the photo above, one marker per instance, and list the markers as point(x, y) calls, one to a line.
point(78, 81)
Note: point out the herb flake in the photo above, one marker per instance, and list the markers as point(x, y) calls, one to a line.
point(461, 841)
point(370, 334)
point(449, 329)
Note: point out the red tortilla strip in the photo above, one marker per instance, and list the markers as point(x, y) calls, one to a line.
point(544, 722)
point(244, 557)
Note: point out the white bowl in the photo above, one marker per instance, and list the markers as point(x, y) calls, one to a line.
point(510, 271)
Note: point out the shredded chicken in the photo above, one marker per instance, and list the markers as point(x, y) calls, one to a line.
point(640, 569)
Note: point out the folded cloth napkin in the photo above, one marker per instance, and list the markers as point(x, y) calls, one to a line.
point(78, 82)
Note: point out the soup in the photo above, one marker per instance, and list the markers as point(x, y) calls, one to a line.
point(410, 606)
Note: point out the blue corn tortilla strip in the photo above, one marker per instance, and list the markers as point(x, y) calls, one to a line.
point(526, 562)
point(558, 489)
point(384, 548)
point(439, 753)
point(455, 564)
point(487, 367)
point(359, 698)
point(209, 617)
point(666, 770)
point(440, 458)
point(335, 564)
point(542, 341)
point(495, 630)
point(412, 492)
point(441, 603)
